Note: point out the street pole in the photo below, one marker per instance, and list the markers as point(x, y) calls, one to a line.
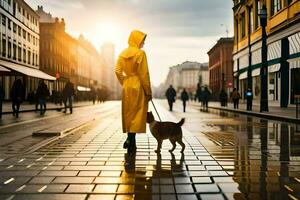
point(249, 72)
point(264, 62)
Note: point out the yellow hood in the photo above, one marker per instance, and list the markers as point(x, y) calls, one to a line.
point(135, 40)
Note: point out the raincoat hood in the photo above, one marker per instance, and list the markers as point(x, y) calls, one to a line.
point(134, 41)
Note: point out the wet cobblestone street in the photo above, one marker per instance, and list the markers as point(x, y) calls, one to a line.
point(226, 157)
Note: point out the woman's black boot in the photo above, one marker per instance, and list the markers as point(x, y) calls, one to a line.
point(132, 145)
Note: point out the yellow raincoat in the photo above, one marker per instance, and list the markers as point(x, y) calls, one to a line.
point(132, 72)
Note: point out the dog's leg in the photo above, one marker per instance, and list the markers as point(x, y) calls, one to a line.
point(159, 143)
point(182, 145)
point(174, 145)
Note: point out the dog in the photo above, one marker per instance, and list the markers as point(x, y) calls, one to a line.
point(166, 130)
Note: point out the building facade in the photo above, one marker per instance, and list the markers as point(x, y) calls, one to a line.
point(187, 75)
point(19, 45)
point(68, 58)
point(283, 49)
point(221, 66)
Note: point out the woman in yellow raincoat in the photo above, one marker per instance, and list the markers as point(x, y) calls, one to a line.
point(133, 74)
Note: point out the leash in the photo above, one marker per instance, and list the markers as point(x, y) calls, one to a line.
point(155, 110)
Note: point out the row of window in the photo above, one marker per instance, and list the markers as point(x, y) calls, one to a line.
point(18, 30)
point(18, 9)
point(11, 50)
point(253, 19)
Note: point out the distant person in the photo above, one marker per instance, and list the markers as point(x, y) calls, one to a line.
point(184, 98)
point(249, 97)
point(235, 98)
point(42, 93)
point(17, 95)
point(68, 95)
point(199, 93)
point(93, 95)
point(223, 98)
point(205, 98)
point(171, 95)
point(2, 94)
point(98, 95)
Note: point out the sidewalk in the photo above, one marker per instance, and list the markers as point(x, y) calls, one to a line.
point(26, 107)
point(91, 164)
point(275, 112)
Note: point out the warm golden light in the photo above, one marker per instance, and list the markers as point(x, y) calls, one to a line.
point(107, 32)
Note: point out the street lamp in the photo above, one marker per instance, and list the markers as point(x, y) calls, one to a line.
point(264, 61)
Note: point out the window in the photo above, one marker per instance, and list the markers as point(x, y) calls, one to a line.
point(9, 24)
point(9, 49)
point(251, 17)
point(19, 30)
point(237, 30)
point(3, 20)
point(257, 8)
point(3, 47)
point(14, 51)
point(24, 55)
point(14, 27)
point(19, 53)
point(276, 6)
point(29, 57)
point(243, 25)
point(24, 34)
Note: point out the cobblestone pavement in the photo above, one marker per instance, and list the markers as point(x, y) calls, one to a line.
point(91, 164)
point(262, 156)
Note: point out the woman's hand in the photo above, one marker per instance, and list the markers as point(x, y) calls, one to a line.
point(149, 97)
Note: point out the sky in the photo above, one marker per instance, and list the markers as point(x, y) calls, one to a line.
point(177, 30)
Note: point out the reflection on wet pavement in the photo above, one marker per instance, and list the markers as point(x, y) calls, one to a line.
point(262, 156)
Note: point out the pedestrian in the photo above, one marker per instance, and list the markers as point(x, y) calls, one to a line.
point(235, 98)
point(171, 96)
point(93, 95)
point(17, 95)
point(205, 98)
point(68, 95)
point(223, 98)
point(42, 93)
point(249, 96)
point(2, 94)
point(199, 93)
point(184, 98)
point(133, 74)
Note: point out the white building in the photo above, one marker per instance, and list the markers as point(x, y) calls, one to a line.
point(19, 45)
point(108, 55)
point(187, 75)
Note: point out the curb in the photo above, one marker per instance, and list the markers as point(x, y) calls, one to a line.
point(262, 115)
point(33, 110)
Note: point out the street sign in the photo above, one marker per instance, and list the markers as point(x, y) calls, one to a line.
point(229, 84)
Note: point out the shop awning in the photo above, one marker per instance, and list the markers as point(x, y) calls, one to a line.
point(255, 72)
point(243, 75)
point(274, 68)
point(3, 69)
point(26, 70)
point(294, 63)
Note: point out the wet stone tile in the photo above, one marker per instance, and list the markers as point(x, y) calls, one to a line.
point(55, 188)
point(49, 196)
point(206, 188)
point(186, 188)
point(73, 180)
point(107, 188)
point(101, 197)
point(187, 197)
point(41, 180)
point(82, 188)
point(212, 196)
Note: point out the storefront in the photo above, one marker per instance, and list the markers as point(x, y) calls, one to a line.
point(29, 76)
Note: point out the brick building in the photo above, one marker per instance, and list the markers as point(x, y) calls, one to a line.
point(221, 66)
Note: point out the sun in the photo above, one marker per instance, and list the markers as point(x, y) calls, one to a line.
point(108, 32)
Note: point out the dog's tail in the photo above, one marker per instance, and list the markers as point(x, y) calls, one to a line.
point(181, 122)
